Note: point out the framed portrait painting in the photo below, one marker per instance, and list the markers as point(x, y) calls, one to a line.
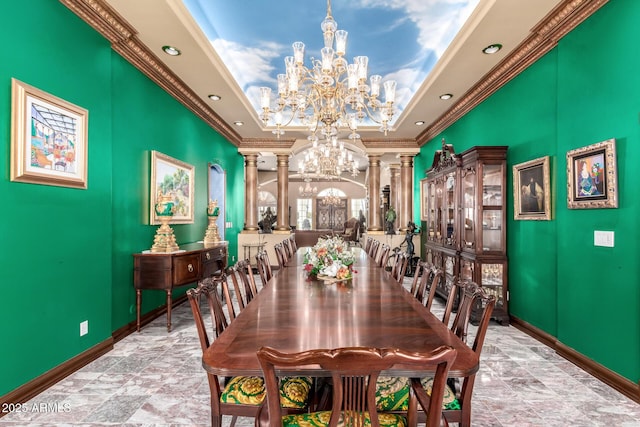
point(172, 177)
point(592, 176)
point(532, 190)
point(48, 138)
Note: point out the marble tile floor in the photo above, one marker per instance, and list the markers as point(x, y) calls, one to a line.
point(155, 379)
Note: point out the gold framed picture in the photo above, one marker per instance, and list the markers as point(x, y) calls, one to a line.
point(532, 190)
point(48, 138)
point(592, 176)
point(176, 178)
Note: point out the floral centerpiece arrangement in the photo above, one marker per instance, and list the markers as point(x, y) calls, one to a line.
point(330, 257)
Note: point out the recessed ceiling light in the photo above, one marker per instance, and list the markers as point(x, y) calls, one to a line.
point(492, 48)
point(419, 122)
point(215, 97)
point(446, 96)
point(238, 123)
point(170, 50)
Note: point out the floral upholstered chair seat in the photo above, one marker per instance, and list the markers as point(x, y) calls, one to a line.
point(294, 391)
point(392, 394)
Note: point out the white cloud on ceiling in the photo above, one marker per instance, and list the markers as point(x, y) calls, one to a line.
point(437, 21)
point(248, 64)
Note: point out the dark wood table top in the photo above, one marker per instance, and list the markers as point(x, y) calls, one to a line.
point(294, 314)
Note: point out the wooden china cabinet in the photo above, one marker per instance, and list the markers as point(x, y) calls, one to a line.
point(464, 209)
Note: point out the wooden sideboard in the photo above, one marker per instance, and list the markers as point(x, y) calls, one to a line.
point(164, 271)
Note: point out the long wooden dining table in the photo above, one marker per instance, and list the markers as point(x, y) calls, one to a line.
point(292, 313)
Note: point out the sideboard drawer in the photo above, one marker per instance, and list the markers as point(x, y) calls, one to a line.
point(186, 269)
point(213, 260)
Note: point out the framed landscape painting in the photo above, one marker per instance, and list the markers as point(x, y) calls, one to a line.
point(532, 190)
point(176, 178)
point(48, 138)
point(592, 176)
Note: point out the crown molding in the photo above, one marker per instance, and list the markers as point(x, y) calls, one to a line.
point(124, 41)
point(560, 21)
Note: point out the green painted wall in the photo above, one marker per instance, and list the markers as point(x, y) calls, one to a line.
point(66, 253)
point(584, 91)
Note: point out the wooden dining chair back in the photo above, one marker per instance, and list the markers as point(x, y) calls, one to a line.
point(280, 254)
point(470, 295)
point(435, 277)
point(244, 283)
point(383, 255)
point(294, 245)
point(264, 267)
point(451, 301)
point(288, 249)
point(373, 251)
point(419, 280)
point(399, 266)
point(207, 294)
point(354, 372)
point(367, 245)
point(476, 297)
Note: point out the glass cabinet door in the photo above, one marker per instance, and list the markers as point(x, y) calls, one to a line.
point(432, 211)
point(469, 209)
point(449, 209)
point(492, 199)
point(492, 278)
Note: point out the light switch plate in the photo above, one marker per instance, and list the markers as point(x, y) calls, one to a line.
point(84, 328)
point(603, 238)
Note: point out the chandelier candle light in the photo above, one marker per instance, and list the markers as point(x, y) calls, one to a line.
point(332, 95)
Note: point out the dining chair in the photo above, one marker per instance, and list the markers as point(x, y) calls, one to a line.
point(451, 300)
point(264, 266)
point(383, 255)
point(354, 371)
point(367, 245)
point(418, 278)
point(435, 277)
point(288, 250)
point(375, 247)
point(243, 282)
point(280, 254)
point(472, 296)
point(239, 395)
point(294, 245)
point(399, 266)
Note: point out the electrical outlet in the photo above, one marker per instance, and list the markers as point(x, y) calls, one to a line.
point(233, 258)
point(84, 328)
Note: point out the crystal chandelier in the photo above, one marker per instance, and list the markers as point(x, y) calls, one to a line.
point(332, 95)
point(327, 160)
point(331, 199)
point(307, 190)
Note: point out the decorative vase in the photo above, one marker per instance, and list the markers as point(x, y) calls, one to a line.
point(164, 240)
point(212, 235)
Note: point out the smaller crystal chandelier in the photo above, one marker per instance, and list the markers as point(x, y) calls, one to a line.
point(327, 160)
point(307, 190)
point(331, 199)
